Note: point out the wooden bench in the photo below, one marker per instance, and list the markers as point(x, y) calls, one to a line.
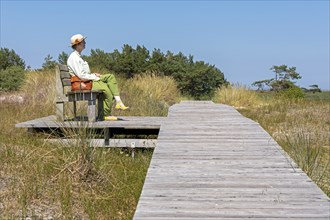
point(65, 95)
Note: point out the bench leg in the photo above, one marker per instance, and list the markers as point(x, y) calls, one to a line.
point(60, 111)
point(107, 136)
point(91, 110)
point(100, 109)
point(74, 110)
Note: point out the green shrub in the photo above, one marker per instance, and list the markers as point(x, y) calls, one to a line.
point(200, 80)
point(291, 93)
point(12, 78)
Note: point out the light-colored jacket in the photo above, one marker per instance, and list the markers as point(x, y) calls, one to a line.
point(79, 67)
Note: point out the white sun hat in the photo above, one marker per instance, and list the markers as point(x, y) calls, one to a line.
point(76, 39)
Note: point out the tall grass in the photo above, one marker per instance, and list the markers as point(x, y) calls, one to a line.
point(313, 160)
point(300, 126)
point(149, 94)
point(41, 180)
point(39, 91)
point(238, 96)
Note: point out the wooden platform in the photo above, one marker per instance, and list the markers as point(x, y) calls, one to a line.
point(129, 122)
point(210, 162)
point(131, 125)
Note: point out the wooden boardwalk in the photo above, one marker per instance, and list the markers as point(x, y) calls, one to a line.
point(210, 162)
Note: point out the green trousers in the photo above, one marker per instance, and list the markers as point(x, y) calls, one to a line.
point(108, 84)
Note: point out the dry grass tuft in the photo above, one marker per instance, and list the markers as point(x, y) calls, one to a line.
point(39, 89)
point(237, 96)
point(149, 95)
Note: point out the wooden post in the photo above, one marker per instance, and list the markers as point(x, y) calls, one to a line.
point(59, 96)
point(91, 110)
point(107, 135)
point(100, 109)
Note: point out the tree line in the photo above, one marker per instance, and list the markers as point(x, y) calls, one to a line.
point(196, 79)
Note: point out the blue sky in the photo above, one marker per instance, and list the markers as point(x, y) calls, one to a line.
point(244, 39)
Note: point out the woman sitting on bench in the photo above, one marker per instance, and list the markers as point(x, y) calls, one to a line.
point(106, 82)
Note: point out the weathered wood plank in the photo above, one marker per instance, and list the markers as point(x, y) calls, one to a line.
point(113, 143)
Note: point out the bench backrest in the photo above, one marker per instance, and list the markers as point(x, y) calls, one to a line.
point(63, 82)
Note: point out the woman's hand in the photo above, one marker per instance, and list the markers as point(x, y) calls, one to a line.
point(97, 74)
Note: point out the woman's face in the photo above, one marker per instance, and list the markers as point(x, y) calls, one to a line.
point(81, 46)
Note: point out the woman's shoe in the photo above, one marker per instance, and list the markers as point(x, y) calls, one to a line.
point(121, 106)
point(110, 118)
